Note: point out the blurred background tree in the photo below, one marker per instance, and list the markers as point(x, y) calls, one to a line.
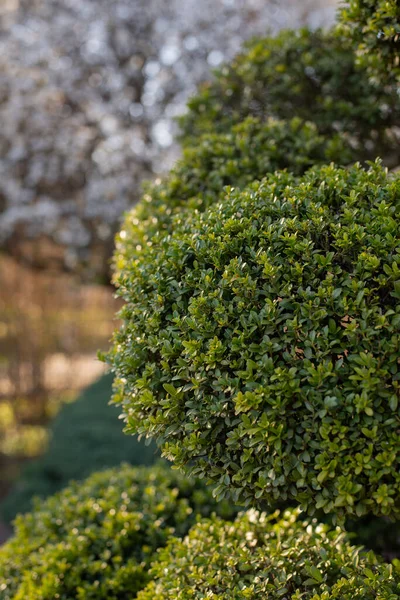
point(88, 95)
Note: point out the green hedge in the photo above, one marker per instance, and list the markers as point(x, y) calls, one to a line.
point(258, 557)
point(249, 151)
point(260, 342)
point(96, 538)
point(86, 436)
point(307, 74)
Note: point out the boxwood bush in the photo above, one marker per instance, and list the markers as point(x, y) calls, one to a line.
point(260, 342)
point(86, 436)
point(375, 26)
point(96, 539)
point(261, 557)
point(309, 74)
point(249, 151)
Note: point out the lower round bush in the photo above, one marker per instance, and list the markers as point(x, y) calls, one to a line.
point(96, 539)
point(258, 557)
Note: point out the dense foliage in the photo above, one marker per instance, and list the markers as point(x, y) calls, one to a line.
point(249, 151)
point(86, 436)
point(96, 539)
point(261, 557)
point(260, 341)
point(309, 74)
point(375, 26)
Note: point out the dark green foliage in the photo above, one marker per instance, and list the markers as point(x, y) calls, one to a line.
point(96, 539)
point(382, 535)
point(260, 343)
point(85, 437)
point(259, 557)
point(307, 74)
point(249, 151)
point(375, 25)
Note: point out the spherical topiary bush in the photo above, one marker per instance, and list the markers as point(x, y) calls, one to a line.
point(375, 25)
point(96, 539)
point(260, 344)
point(249, 151)
point(258, 557)
point(308, 74)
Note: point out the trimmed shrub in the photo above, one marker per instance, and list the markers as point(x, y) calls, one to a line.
point(86, 436)
point(249, 151)
point(96, 539)
point(375, 25)
point(309, 74)
point(260, 343)
point(261, 557)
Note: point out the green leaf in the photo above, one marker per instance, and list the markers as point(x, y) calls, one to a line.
point(170, 389)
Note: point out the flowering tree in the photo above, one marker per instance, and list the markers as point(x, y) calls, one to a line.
point(88, 94)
